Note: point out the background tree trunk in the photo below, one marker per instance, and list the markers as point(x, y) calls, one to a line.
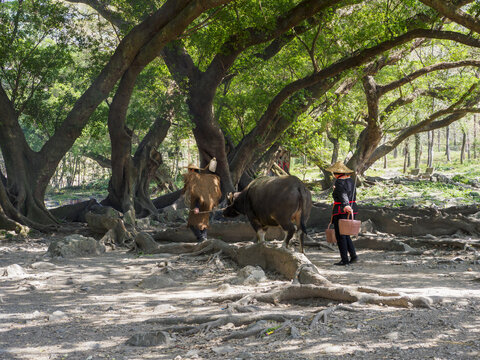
point(431, 138)
point(464, 143)
point(475, 136)
point(447, 143)
point(406, 154)
point(418, 150)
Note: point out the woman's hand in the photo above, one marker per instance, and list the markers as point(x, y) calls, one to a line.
point(348, 209)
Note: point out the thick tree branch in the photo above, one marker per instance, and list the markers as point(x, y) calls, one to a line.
point(452, 11)
point(428, 69)
point(107, 13)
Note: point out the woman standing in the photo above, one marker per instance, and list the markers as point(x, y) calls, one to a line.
point(344, 195)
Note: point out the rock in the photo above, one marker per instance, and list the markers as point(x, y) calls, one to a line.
point(165, 308)
point(14, 271)
point(251, 275)
point(221, 350)
point(198, 302)
point(154, 338)
point(143, 223)
point(145, 242)
point(57, 315)
point(367, 226)
point(102, 219)
point(76, 246)
point(157, 282)
point(43, 265)
point(224, 288)
point(392, 335)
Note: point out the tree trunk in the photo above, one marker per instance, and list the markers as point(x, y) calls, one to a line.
point(438, 141)
point(431, 137)
point(464, 143)
point(447, 143)
point(385, 160)
point(418, 150)
point(367, 142)
point(475, 136)
point(406, 153)
point(25, 186)
point(262, 165)
point(147, 161)
point(336, 146)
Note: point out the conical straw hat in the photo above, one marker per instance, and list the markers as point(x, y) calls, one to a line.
point(192, 166)
point(339, 168)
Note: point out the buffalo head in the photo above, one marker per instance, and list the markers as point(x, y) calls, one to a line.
point(232, 209)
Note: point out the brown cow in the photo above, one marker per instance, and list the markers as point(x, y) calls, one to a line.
point(273, 201)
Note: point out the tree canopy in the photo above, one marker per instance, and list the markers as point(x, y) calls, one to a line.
point(330, 79)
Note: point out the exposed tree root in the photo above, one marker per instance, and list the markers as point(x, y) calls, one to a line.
point(308, 282)
point(207, 322)
point(454, 243)
point(323, 314)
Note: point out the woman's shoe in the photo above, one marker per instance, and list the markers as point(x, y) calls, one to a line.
point(354, 259)
point(341, 263)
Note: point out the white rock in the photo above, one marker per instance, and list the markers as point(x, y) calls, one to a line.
point(14, 270)
point(198, 302)
point(57, 315)
point(43, 265)
point(164, 308)
point(224, 288)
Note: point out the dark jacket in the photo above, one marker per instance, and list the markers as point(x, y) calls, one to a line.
point(344, 194)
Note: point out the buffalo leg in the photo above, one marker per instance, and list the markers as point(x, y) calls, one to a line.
point(260, 230)
point(261, 235)
point(290, 229)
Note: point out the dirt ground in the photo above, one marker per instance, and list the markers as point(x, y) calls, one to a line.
point(87, 308)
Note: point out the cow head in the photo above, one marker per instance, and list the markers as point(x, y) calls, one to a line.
point(231, 197)
point(231, 209)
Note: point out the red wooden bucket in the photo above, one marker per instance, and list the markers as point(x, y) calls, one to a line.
point(349, 226)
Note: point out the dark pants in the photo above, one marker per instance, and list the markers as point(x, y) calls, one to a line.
point(344, 242)
point(199, 234)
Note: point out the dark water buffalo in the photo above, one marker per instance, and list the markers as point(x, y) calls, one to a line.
point(273, 201)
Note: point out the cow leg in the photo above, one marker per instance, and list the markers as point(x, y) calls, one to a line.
point(290, 229)
point(261, 235)
point(299, 235)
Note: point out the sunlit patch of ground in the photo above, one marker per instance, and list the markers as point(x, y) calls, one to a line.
point(103, 305)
